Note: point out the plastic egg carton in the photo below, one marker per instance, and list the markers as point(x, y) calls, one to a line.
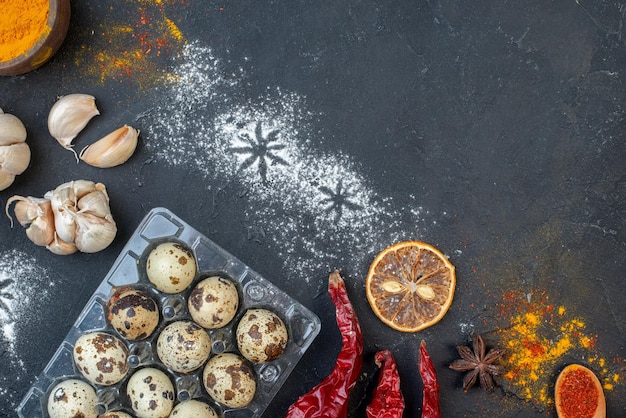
point(161, 225)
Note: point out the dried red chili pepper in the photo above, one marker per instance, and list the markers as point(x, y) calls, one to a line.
point(430, 404)
point(329, 399)
point(388, 401)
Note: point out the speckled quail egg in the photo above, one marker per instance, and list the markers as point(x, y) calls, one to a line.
point(183, 346)
point(73, 398)
point(101, 358)
point(151, 393)
point(171, 267)
point(261, 335)
point(229, 380)
point(132, 313)
point(193, 408)
point(115, 414)
point(213, 302)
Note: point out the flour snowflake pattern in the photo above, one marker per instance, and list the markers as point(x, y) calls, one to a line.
point(258, 148)
point(338, 200)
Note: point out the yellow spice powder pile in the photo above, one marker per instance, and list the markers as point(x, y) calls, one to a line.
point(541, 338)
point(21, 25)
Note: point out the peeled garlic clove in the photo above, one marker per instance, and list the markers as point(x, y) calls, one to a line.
point(60, 247)
point(69, 115)
point(93, 233)
point(95, 203)
point(113, 149)
point(12, 129)
point(14, 158)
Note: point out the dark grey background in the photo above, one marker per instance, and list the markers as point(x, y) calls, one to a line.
point(507, 117)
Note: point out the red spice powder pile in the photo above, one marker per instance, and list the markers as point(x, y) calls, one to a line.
point(580, 395)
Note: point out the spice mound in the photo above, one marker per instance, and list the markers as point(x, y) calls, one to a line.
point(22, 23)
point(578, 394)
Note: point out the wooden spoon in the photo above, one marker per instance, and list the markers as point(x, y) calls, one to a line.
point(578, 394)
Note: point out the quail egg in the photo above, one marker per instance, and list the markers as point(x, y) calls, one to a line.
point(213, 302)
point(151, 393)
point(229, 380)
point(183, 346)
point(115, 414)
point(193, 408)
point(133, 314)
point(261, 335)
point(171, 267)
point(73, 398)
point(101, 358)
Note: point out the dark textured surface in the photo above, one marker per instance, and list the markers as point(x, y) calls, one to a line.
point(504, 121)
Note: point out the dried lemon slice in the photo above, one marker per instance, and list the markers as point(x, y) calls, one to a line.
point(410, 285)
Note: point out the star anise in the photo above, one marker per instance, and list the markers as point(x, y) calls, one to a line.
point(478, 364)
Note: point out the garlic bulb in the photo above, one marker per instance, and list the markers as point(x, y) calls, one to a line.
point(69, 115)
point(113, 149)
point(82, 215)
point(73, 217)
point(14, 152)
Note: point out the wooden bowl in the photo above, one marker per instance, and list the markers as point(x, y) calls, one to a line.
point(47, 44)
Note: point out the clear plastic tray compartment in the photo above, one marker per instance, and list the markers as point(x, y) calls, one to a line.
point(161, 225)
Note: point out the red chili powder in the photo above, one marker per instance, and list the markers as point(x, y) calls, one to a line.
point(534, 348)
point(579, 398)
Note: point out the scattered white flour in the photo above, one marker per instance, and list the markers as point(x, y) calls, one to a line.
point(466, 328)
point(317, 210)
point(22, 282)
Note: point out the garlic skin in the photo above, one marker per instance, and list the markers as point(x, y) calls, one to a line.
point(93, 233)
point(12, 129)
point(69, 115)
point(15, 158)
point(96, 202)
point(60, 247)
point(14, 152)
point(6, 179)
point(73, 217)
point(61, 198)
point(113, 149)
point(36, 215)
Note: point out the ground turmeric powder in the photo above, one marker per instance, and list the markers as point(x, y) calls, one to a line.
point(540, 338)
point(22, 23)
